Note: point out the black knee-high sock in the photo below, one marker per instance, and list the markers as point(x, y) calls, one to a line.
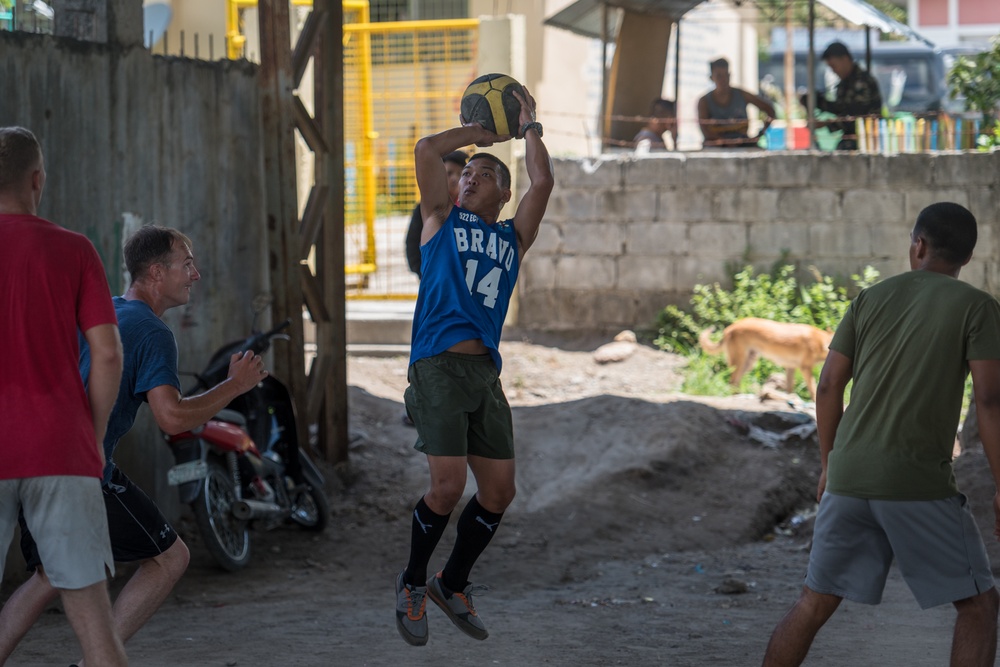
point(426, 531)
point(476, 528)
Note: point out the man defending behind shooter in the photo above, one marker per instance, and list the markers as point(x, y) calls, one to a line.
point(470, 264)
point(887, 490)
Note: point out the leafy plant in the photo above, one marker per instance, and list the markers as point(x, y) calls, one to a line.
point(777, 295)
point(977, 78)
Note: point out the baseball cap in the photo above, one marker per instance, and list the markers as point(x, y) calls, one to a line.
point(835, 49)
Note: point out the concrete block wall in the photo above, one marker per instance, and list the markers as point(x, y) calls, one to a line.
point(625, 236)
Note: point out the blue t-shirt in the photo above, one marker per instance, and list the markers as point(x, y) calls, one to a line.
point(150, 361)
point(468, 271)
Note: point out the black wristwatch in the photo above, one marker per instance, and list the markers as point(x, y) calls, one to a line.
point(533, 125)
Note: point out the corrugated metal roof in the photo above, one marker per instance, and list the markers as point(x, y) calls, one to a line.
point(585, 17)
point(860, 12)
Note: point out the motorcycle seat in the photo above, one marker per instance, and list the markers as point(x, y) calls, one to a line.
point(231, 417)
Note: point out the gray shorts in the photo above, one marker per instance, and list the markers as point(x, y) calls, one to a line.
point(67, 518)
point(936, 544)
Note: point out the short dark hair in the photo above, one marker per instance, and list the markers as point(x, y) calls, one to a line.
point(20, 154)
point(150, 245)
point(501, 167)
point(718, 63)
point(950, 231)
point(834, 50)
point(457, 157)
point(660, 108)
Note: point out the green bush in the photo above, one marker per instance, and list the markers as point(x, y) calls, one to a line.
point(777, 295)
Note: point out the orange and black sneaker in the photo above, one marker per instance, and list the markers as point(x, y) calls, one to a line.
point(411, 603)
point(458, 606)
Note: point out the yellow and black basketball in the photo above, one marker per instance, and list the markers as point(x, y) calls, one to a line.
point(488, 101)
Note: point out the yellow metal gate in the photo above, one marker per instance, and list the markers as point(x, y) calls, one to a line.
point(402, 81)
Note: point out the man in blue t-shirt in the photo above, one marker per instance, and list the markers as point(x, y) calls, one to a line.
point(470, 260)
point(161, 265)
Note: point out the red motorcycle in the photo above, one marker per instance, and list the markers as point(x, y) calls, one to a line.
point(244, 469)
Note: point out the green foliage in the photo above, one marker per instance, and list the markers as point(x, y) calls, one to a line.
point(777, 295)
point(990, 138)
point(978, 80)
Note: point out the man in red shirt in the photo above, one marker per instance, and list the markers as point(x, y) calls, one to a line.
point(52, 286)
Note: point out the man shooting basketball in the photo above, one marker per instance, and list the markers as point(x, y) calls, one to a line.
point(470, 261)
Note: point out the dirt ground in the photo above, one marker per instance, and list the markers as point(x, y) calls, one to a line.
point(650, 528)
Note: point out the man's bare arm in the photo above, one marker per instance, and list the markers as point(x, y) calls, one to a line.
point(175, 413)
point(837, 372)
point(708, 129)
point(766, 107)
point(105, 345)
point(986, 388)
point(432, 179)
point(538, 164)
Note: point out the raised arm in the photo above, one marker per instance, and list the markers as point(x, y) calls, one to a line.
point(432, 179)
point(105, 376)
point(538, 164)
point(175, 413)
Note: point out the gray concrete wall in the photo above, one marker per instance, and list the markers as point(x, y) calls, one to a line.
point(625, 237)
point(133, 137)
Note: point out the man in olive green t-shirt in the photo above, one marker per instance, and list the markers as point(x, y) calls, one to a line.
point(887, 490)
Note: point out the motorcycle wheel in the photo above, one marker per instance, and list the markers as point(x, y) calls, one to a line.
point(227, 539)
point(310, 509)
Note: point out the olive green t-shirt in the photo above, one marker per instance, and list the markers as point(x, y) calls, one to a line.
point(910, 338)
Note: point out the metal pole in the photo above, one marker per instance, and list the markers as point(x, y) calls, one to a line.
point(868, 49)
point(789, 72)
point(603, 125)
point(677, 66)
point(811, 75)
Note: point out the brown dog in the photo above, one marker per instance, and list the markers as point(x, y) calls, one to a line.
point(792, 346)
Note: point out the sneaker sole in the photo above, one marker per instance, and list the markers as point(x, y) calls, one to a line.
point(471, 630)
point(407, 636)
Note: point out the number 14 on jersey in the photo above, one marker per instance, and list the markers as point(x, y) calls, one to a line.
point(489, 285)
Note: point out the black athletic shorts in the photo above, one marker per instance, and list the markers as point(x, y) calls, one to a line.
point(136, 525)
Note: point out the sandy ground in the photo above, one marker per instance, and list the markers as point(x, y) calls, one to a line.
point(649, 529)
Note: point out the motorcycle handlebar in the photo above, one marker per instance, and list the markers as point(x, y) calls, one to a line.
point(259, 342)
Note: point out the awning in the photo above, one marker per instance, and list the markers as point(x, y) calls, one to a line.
point(585, 17)
point(860, 12)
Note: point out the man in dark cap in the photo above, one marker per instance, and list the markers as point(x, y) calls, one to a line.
point(857, 95)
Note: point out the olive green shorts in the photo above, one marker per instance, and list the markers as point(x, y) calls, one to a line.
point(457, 403)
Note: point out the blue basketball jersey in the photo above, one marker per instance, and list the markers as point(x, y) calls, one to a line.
point(468, 271)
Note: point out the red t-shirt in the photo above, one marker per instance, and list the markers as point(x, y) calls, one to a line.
point(52, 285)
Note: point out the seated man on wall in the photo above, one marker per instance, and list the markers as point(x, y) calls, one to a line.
point(722, 113)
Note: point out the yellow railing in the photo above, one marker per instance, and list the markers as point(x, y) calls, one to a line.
point(402, 80)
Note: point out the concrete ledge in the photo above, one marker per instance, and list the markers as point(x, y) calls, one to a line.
point(366, 350)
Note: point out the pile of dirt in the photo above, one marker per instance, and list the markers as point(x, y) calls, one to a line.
point(612, 462)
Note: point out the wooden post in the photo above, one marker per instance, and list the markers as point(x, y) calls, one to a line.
point(281, 212)
point(330, 256)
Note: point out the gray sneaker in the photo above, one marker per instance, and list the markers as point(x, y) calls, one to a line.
point(458, 606)
point(411, 603)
